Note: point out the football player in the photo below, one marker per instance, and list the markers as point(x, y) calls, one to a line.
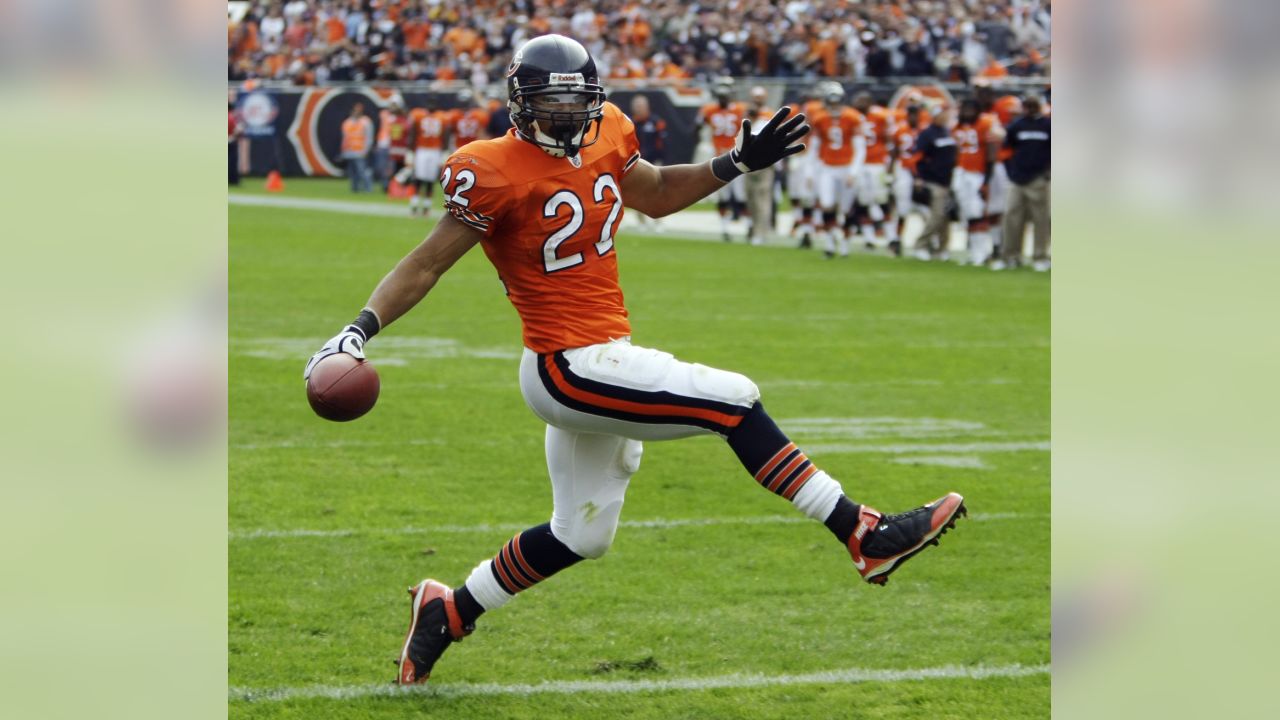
point(429, 134)
point(841, 152)
point(470, 122)
point(723, 119)
point(872, 190)
point(801, 186)
point(543, 202)
point(902, 163)
point(759, 185)
point(1002, 111)
point(975, 157)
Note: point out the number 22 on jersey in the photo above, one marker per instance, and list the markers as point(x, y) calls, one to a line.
point(604, 190)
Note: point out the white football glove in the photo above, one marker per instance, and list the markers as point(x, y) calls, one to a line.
point(349, 341)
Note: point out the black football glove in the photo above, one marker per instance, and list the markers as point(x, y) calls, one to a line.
point(761, 150)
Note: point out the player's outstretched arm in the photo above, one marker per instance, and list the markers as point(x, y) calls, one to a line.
point(405, 286)
point(414, 276)
point(659, 191)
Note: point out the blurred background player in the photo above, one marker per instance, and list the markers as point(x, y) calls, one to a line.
point(975, 158)
point(997, 113)
point(935, 164)
point(872, 189)
point(802, 186)
point(902, 165)
point(723, 120)
point(392, 142)
point(1029, 139)
point(651, 132)
point(841, 152)
point(357, 140)
point(759, 185)
point(471, 122)
point(499, 116)
point(235, 128)
point(428, 133)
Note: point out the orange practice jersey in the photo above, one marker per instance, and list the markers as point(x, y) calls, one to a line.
point(470, 125)
point(904, 140)
point(1007, 107)
point(835, 134)
point(811, 110)
point(548, 229)
point(725, 122)
point(876, 129)
point(430, 127)
point(995, 134)
point(971, 144)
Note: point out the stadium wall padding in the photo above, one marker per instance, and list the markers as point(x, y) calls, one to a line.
point(301, 135)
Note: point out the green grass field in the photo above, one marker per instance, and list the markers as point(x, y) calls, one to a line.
point(903, 380)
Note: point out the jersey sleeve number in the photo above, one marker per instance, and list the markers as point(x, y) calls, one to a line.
point(466, 181)
point(551, 261)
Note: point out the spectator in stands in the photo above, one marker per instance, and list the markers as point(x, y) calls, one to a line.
point(324, 41)
point(357, 140)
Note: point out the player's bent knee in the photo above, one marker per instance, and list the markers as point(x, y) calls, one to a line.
point(592, 534)
point(725, 386)
point(627, 462)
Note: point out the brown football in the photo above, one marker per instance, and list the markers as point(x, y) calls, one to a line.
point(342, 388)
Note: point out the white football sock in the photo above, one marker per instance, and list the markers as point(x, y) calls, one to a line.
point(485, 589)
point(817, 498)
point(828, 244)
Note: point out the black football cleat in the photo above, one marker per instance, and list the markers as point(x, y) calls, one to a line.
point(433, 627)
point(882, 543)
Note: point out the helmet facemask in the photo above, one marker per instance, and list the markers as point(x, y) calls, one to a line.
point(558, 118)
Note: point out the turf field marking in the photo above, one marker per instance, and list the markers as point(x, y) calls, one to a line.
point(656, 523)
point(953, 461)
point(978, 447)
point(858, 428)
point(580, 687)
point(398, 348)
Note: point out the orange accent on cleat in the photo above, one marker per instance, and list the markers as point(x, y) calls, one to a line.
point(876, 570)
point(425, 592)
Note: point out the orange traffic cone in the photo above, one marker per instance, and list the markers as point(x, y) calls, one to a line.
point(398, 190)
point(274, 183)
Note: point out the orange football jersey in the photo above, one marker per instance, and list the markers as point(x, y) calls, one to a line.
point(835, 134)
point(470, 125)
point(971, 144)
point(548, 227)
point(876, 130)
point(904, 142)
point(725, 122)
point(1006, 107)
point(430, 127)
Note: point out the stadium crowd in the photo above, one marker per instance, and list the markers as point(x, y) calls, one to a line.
point(315, 42)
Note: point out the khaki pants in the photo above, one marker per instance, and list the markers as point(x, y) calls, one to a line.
point(936, 236)
point(1031, 200)
point(760, 203)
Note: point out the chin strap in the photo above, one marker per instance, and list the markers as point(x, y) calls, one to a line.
point(549, 144)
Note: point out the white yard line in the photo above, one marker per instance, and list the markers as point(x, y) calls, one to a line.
point(580, 687)
point(978, 447)
point(655, 523)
